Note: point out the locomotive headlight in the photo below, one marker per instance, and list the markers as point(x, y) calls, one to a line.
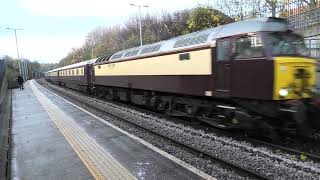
point(314, 90)
point(283, 92)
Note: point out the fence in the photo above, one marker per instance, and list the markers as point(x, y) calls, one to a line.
point(2, 71)
point(302, 14)
point(5, 105)
point(314, 46)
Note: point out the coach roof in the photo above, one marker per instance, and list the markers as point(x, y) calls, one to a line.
point(80, 64)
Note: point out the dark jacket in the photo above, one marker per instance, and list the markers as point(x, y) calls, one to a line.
point(20, 79)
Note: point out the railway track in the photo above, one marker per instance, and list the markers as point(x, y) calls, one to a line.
point(301, 154)
point(252, 173)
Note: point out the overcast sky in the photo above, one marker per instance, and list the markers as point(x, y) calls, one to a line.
point(52, 27)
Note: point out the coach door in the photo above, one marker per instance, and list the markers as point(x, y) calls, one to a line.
point(89, 74)
point(222, 68)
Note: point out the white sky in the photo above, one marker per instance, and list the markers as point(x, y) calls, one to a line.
point(53, 27)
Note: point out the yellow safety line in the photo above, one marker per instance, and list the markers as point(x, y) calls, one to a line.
point(93, 170)
point(92, 154)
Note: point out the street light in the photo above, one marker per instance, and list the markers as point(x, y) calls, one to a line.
point(23, 68)
point(139, 5)
point(15, 34)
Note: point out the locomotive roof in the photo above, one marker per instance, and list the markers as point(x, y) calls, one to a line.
point(80, 64)
point(204, 37)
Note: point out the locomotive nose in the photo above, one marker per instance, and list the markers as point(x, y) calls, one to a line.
point(302, 73)
point(301, 84)
point(294, 78)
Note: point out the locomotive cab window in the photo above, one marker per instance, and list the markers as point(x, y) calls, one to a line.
point(223, 49)
point(287, 44)
point(248, 47)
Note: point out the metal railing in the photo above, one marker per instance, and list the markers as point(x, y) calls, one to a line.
point(314, 46)
point(3, 81)
point(2, 71)
point(302, 14)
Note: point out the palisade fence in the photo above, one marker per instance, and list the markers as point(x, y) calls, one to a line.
point(5, 104)
point(314, 46)
point(304, 15)
point(3, 80)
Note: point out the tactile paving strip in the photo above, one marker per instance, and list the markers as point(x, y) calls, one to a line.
point(99, 162)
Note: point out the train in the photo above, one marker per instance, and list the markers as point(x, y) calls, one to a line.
point(249, 75)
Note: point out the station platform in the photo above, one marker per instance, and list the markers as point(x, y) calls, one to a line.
point(55, 139)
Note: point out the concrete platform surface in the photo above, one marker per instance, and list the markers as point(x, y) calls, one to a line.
point(54, 139)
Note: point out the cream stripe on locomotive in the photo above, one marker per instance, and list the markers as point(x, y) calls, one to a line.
point(198, 63)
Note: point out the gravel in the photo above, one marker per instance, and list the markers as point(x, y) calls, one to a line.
point(261, 160)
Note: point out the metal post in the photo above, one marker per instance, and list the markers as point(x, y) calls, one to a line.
point(20, 69)
point(91, 49)
point(15, 34)
point(26, 70)
point(23, 69)
point(140, 25)
point(17, 47)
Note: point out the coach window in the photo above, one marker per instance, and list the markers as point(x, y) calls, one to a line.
point(77, 72)
point(81, 71)
point(223, 49)
point(249, 47)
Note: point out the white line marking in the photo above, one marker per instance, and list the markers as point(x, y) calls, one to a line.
point(99, 161)
point(226, 107)
point(163, 153)
point(288, 110)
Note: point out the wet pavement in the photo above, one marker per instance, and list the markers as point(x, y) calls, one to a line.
point(54, 139)
point(39, 149)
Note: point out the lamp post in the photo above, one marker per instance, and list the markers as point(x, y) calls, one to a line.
point(23, 68)
point(140, 29)
point(15, 34)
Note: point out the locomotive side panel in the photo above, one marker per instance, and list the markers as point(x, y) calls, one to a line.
point(73, 78)
point(252, 79)
point(185, 73)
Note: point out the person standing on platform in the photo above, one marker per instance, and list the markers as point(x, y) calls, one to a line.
point(20, 82)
